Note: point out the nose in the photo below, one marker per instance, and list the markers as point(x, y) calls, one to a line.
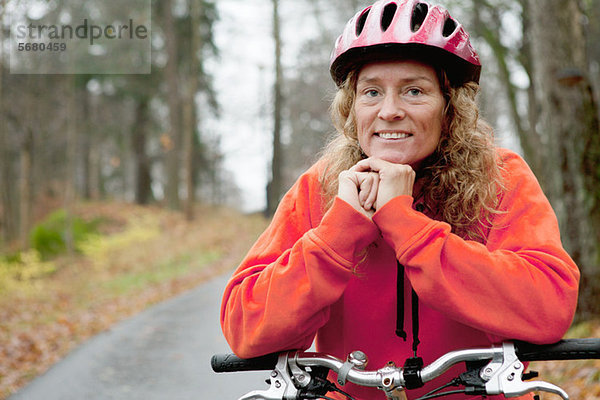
point(391, 109)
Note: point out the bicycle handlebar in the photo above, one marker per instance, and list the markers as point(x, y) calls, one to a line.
point(502, 375)
point(232, 363)
point(568, 349)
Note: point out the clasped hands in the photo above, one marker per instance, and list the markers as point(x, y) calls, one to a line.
point(372, 182)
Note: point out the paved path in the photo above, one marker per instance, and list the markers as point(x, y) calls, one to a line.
point(161, 353)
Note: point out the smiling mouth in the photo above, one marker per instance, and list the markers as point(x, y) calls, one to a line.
point(393, 135)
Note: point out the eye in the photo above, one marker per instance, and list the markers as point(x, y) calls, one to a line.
point(371, 93)
point(414, 91)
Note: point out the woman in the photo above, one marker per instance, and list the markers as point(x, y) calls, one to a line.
point(411, 197)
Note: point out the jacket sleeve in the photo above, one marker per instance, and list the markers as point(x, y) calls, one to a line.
point(280, 295)
point(521, 284)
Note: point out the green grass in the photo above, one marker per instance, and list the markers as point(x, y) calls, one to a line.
point(160, 272)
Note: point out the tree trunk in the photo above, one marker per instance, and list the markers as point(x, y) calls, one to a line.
point(86, 144)
point(71, 161)
point(174, 146)
point(490, 30)
point(274, 188)
point(94, 173)
point(25, 179)
point(143, 192)
point(568, 121)
point(190, 114)
point(7, 219)
point(95, 177)
point(531, 136)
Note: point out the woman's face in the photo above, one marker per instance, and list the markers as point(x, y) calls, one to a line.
point(399, 111)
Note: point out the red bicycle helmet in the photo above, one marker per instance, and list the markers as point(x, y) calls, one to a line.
point(391, 29)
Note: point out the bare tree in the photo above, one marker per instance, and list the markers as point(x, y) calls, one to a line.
point(139, 140)
point(173, 148)
point(568, 123)
point(5, 223)
point(71, 157)
point(275, 186)
point(25, 181)
point(189, 112)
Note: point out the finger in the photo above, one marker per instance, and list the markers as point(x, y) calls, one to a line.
point(347, 186)
point(361, 166)
point(372, 197)
point(348, 190)
point(366, 184)
point(395, 182)
point(366, 188)
point(372, 164)
point(348, 177)
point(358, 167)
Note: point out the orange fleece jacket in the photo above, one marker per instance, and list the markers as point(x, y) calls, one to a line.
point(333, 274)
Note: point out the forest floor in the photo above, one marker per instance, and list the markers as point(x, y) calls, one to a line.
point(144, 255)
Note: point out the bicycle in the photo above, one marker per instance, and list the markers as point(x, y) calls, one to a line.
point(298, 375)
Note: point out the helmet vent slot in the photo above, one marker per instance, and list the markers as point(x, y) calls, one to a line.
point(449, 27)
point(388, 15)
point(418, 16)
point(360, 24)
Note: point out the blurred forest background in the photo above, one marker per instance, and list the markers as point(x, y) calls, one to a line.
point(155, 138)
point(152, 152)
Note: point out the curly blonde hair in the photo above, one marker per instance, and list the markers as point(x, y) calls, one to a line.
point(461, 179)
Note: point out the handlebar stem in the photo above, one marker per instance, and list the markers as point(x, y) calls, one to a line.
point(363, 378)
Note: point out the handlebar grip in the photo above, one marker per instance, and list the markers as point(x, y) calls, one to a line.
point(232, 363)
point(567, 349)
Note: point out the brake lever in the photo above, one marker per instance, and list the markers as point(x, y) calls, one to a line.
point(507, 378)
point(282, 387)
